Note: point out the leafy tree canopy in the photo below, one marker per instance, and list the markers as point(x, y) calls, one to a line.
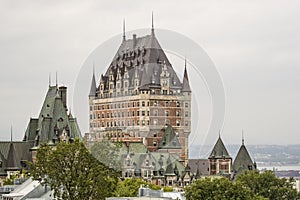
point(218, 189)
point(73, 173)
point(108, 153)
point(266, 184)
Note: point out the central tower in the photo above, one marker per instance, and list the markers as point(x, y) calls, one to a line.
point(140, 96)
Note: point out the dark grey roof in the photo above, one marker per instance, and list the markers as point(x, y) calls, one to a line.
point(12, 153)
point(185, 82)
point(199, 164)
point(93, 86)
point(242, 160)
point(169, 139)
point(144, 57)
point(219, 150)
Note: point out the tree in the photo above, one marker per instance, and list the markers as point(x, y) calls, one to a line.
point(266, 184)
point(72, 172)
point(218, 189)
point(129, 187)
point(108, 153)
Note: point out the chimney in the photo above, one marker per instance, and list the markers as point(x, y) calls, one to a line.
point(134, 40)
point(63, 95)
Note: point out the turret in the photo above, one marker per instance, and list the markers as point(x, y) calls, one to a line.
point(93, 87)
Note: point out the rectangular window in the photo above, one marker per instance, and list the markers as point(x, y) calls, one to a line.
point(155, 103)
point(143, 113)
point(167, 103)
point(186, 105)
point(186, 114)
point(177, 113)
point(177, 122)
point(154, 121)
point(154, 143)
point(155, 112)
point(177, 104)
point(138, 113)
point(143, 103)
point(166, 113)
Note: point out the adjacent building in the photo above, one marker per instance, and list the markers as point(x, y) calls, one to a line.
point(53, 125)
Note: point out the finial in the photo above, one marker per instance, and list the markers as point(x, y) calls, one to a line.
point(124, 36)
point(56, 78)
point(49, 79)
point(243, 141)
point(94, 68)
point(11, 133)
point(152, 24)
point(185, 61)
point(219, 133)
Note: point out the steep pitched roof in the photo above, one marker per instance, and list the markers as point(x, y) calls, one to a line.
point(185, 82)
point(53, 114)
point(12, 153)
point(243, 160)
point(145, 56)
point(93, 87)
point(169, 139)
point(219, 150)
point(200, 165)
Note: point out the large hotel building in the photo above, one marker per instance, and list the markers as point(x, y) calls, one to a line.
point(140, 97)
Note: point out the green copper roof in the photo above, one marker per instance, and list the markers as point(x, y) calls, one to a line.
point(52, 115)
point(169, 140)
point(243, 160)
point(219, 150)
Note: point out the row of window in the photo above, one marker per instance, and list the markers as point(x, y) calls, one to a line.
point(133, 123)
point(133, 104)
point(133, 113)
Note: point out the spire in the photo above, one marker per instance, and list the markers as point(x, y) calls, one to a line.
point(11, 133)
point(152, 24)
point(243, 141)
point(124, 36)
point(93, 84)
point(185, 82)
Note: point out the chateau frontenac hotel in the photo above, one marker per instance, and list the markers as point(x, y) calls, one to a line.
point(139, 96)
point(140, 102)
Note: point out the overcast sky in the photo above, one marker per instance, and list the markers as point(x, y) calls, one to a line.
point(255, 45)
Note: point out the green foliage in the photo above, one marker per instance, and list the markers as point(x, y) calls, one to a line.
point(107, 152)
point(218, 189)
point(248, 185)
point(73, 173)
point(129, 187)
point(268, 185)
point(168, 189)
point(9, 181)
